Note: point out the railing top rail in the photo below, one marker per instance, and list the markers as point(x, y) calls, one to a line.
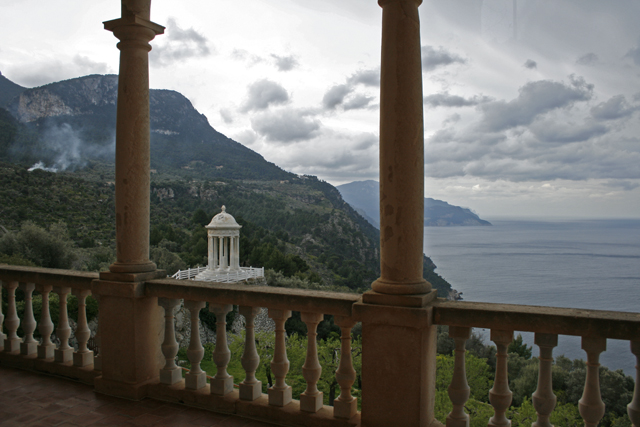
point(255, 296)
point(47, 276)
point(527, 318)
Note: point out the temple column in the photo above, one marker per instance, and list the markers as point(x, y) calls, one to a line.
point(210, 253)
point(130, 322)
point(396, 315)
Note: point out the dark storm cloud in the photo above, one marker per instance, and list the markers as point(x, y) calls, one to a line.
point(179, 44)
point(286, 125)
point(335, 96)
point(33, 75)
point(530, 64)
point(433, 58)
point(284, 63)
point(262, 94)
point(535, 98)
point(616, 107)
point(588, 59)
point(447, 100)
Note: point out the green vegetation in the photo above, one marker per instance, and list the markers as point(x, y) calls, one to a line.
point(299, 228)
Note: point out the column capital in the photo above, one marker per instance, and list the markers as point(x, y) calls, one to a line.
point(133, 20)
point(383, 3)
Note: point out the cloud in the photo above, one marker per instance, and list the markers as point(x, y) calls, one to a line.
point(534, 99)
point(369, 77)
point(49, 71)
point(179, 44)
point(246, 137)
point(286, 125)
point(563, 132)
point(285, 63)
point(634, 55)
point(615, 108)
point(246, 56)
point(263, 93)
point(357, 101)
point(530, 64)
point(588, 59)
point(335, 96)
point(447, 100)
point(226, 115)
point(433, 58)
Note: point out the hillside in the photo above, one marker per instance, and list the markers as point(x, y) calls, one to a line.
point(300, 226)
point(364, 196)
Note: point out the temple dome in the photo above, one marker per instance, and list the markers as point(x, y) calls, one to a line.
point(224, 221)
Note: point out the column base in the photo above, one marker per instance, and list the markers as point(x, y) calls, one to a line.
point(170, 376)
point(195, 381)
point(250, 392)
point(311, 402)
point(12, 346)
point(221, 387)
point(118, 389)
point(27, 348)
point(457, 422)
point(83, 359)
point(46, 351)
point(63, 356)
point(345, 408)
point(280, 397)
point(143, 267)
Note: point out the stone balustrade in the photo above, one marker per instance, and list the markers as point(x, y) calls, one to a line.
point(547, 323)
point(243, 396)
point(43, 354)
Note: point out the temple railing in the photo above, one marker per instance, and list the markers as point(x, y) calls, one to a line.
point(246, 398)
point(547, 323)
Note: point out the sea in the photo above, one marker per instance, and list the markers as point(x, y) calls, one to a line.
point(592, 264)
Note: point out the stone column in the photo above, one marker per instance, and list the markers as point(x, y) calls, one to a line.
point(135, 31)
point(396, 315)
point(401, 152)
point(131, 324)
point(210, 253)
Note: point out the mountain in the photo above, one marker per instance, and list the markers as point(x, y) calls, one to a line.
point(298, 225)
point(74, 121)
point(364, 197)
point(8, 90)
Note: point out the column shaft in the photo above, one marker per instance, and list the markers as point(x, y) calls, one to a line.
point(401, 152)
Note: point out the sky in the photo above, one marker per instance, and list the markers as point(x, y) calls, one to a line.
point(532, 113)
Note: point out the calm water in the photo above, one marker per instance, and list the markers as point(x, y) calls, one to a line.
point(591, 264)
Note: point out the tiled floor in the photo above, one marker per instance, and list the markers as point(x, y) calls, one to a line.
point(30, 399)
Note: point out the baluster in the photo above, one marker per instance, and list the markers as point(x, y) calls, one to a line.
point(196, 378)
point(250, 388)
point(500, 395)
point(84, 356)
point(64, 352)
point(171, 373)
point(345, 406)
point(543, 398)
point(280, 392)
point(97, 358)
point(12, 322)
point(45, 326)
point(29, 345)
point(311, 398)
point(222, 383)
point(2, 335)
point(459, 388)
point(590, 405)
point(633, 408)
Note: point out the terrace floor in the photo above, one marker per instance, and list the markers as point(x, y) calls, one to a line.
point(31, 399)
